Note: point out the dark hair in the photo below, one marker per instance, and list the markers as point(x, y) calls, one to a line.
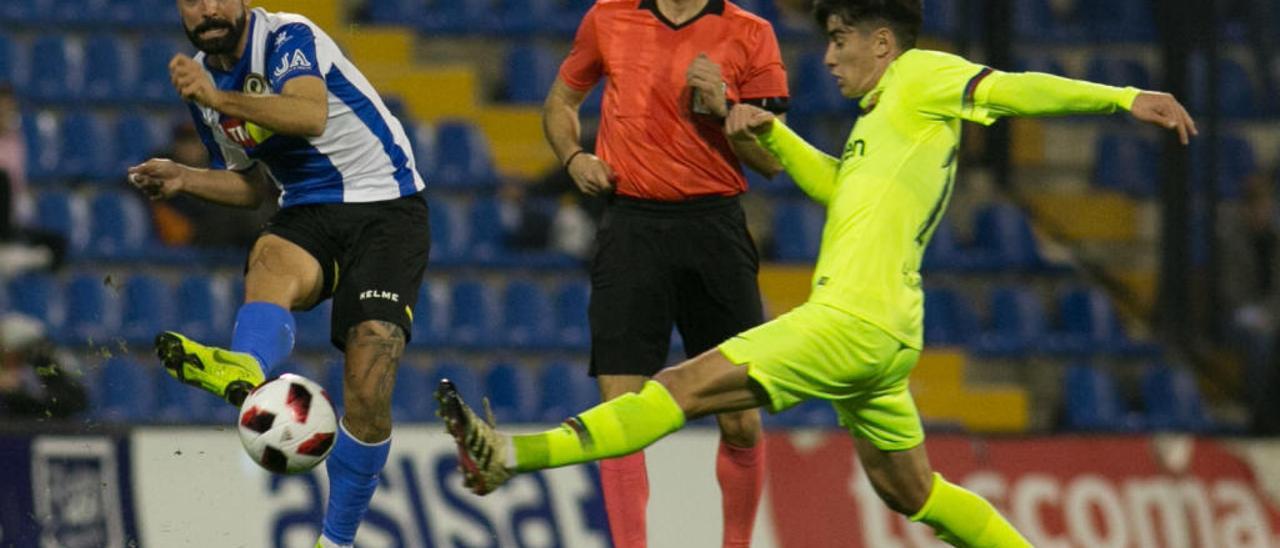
point(904, 17)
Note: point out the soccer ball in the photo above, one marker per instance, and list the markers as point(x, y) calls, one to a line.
point(288, 424)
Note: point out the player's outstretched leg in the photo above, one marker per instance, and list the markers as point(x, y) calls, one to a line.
point(226, 374)
point(704, 385)
point(907, 484)
point(364, 438)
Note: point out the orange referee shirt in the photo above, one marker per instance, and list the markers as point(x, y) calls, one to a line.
point(658, 148)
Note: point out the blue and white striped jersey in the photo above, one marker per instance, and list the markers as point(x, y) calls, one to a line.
point(363, 155)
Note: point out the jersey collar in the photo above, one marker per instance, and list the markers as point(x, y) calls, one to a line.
point(869, 101)
point(713, 7)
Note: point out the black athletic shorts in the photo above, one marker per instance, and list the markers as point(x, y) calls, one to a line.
point(373, 256)
point(691, 264)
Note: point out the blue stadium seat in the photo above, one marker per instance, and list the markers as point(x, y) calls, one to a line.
point(50, 69)
point(526, 315)
point(37, 295)
point(429, 325)
point(948, 318)
point(204, 312)
point(485, 233)
point(471, 315)
point(447, 237)
point(125, 391)
point(1087, 324)
point(40, 131)
point(137, 139)
point(815, 91)
point(565, 390)
point(462, 156)
point(121, 225)
point(332, 372)
point(522, 18)
point(74, 11)
point(178, 403)
point(152, 83)
point(104, 78)
point(66, 214)
point(1016, 325)
point(1121, 72)
point(529, 72)
point(1092, 403)
point(393, 12)
point(141, 13)
point(8, 61)
point(942, 18)
point(1003, 239)
point(797, 230)
point(148, 308)
point(511, 392)
point(87, 148)
point(1171, 399)
point(92, 309)
point(572, 330)
point(314, 327)
point(453, 16)
point(18, 11)
point(1235, 163)
point(1127, 163)
point(462, 376)
point(411, 398)
point(1127, 21)
point(944, 252)
point(1237, 95)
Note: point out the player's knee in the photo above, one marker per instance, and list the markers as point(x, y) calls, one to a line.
point(740, 429)
point(679, 382)
point(904, 498)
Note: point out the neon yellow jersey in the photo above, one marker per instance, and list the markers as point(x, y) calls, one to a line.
point(887, 193)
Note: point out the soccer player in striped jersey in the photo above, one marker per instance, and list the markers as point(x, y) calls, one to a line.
point(275, 101)
point(858, 337)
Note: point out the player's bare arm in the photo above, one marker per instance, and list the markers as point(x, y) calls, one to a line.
point(563, 128)
point(162, 179)
point(301, 109)
point(706, 79)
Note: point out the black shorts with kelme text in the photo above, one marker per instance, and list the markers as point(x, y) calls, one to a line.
point(690, 264)
point(373, 256)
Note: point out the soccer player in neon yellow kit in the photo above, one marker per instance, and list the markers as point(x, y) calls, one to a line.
point(857, 338)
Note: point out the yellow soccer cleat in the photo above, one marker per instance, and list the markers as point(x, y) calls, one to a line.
point(226, 374)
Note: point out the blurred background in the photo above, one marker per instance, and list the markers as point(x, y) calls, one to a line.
point(1084, 262)
point(1093, 276)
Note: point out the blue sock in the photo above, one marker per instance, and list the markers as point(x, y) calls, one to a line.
point(265, 331)
point(353, 476)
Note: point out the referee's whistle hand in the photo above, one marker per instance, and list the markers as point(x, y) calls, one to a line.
point(591, 174)
point(745, 121)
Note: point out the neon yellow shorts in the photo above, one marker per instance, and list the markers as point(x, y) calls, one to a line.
point(816, 351)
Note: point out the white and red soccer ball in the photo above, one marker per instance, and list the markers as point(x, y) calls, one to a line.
point(288, 424)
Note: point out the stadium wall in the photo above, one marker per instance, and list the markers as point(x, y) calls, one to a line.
point(175, 487)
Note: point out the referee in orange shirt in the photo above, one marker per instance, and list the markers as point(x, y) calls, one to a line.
point(673, 246)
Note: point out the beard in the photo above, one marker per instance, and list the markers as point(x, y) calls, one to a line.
point(220, 45)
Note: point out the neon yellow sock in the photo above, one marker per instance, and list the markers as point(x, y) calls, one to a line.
point(620, 426)
point(962, 518)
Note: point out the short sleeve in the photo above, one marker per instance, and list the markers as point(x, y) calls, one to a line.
point(292, 54)
point(950, 86)
point(584, 66)
point(765, 76)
